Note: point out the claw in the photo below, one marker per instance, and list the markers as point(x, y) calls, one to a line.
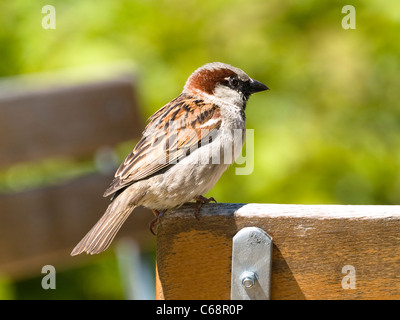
point(154, 222)
point(200, 200)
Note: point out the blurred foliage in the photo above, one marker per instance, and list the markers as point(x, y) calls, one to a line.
point(98, 279)
point(328, 131)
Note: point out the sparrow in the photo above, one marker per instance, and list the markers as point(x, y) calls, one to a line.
point(185, 148)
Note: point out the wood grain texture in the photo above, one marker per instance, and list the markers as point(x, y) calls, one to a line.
point(42, 226)
point(312, 243)
point(73, 120)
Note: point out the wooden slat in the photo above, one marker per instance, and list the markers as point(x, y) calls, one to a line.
point(69, 120)
point(42, 226)
point(312, 243)
point(54, 118)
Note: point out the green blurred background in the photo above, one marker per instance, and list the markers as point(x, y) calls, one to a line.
point(328, 131)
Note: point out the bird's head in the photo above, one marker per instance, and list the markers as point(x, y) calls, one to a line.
point(224, 82)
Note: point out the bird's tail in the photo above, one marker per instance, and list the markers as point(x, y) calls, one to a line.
point(103, 232)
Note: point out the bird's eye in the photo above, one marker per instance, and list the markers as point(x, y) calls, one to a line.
point(233, 82)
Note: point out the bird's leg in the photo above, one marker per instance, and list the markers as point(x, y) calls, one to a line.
point(153, 222)
point(200, 200)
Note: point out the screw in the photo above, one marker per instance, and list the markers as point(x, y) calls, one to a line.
point(248, 279)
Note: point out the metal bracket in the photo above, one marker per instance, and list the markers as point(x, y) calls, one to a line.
point(251, 265)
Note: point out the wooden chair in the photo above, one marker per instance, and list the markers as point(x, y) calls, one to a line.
point(41, 226)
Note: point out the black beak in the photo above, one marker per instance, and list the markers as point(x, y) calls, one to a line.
point(257, 86)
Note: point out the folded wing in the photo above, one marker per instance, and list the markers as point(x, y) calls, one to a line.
point(172, 133)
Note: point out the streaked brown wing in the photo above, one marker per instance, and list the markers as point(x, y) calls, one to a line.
point(173, 131)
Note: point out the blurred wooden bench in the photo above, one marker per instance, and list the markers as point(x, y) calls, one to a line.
point(41, 226)
point(315, 247)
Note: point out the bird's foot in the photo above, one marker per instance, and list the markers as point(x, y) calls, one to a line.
point(200, 200)
point(154, 222)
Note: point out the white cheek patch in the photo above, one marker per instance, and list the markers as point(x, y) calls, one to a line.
point(222, 96)
point(228, 95)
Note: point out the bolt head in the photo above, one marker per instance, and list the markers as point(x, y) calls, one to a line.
point(248, 279)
